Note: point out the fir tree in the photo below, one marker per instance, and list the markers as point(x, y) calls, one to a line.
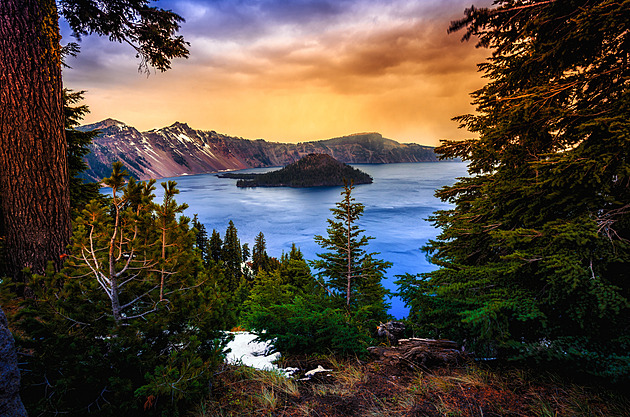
point(201, 239)
point(346, 263)
point(170, 229)
point(295, 271)
point(245, 252)
point(296, 253)
point(216, 246)
point(260, 259)
point(248, 273)
point(232, 256)
point(289, 307)
point(80, 192)
point(534, 253)
point(371, 294)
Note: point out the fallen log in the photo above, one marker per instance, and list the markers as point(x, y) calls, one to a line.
point(420, 353)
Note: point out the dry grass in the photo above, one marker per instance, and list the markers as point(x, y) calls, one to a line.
point(244, 391)
point(370, 389)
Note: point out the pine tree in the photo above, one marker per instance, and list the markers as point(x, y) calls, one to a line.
point(296, 253)
point(534, 253)
point(289, 306)
point(201, 239)
point(371, 294)
point(232, 256)
point(345, 265)
point(245, 251)
point(170, 229)
point(295, 272)
point(260, 259)
point(80, 192)
point(132, 319)
point(113, 246)
point(216, 246)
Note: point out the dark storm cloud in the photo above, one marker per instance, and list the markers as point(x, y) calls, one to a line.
point(361, 37)
point(251, 19)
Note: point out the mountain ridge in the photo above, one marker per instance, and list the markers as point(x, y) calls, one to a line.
point(178, 149)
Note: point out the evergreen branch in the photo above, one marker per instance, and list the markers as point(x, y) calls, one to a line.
point(609, 218)
point(96, 264)
point(325, 287)
point(137, 316)
point(186, 288)
point(490, 227)
point(135, 300)
point(126, 267)
point(133, 277)
point(87, 274)
point(56, 311)
point(102, 280)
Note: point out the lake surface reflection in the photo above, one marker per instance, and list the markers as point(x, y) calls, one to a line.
point(397, 205)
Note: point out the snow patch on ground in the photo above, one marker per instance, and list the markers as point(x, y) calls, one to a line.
point(244, 350)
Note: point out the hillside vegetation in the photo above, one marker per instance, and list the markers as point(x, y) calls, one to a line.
point(532, 258)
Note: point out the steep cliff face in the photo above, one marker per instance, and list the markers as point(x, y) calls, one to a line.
point(180, 150)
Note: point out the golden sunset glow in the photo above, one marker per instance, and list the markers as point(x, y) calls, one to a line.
point(295, 72)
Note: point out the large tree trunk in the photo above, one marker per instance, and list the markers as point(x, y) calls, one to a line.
point(35, 202)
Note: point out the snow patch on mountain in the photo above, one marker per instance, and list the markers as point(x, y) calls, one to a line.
point(178, 149)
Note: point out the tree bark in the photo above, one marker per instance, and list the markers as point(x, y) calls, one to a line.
point(35, 202)
point(420, 353)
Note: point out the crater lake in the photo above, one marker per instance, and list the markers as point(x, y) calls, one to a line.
point(397, 206)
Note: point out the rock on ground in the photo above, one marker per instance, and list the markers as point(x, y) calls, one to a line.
point(10, 402)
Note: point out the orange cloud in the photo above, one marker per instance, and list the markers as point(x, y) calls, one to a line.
point(398, 74)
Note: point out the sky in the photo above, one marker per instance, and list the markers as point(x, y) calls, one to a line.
point(293, 71)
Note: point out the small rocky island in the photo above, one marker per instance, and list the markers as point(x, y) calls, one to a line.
point(313, 170)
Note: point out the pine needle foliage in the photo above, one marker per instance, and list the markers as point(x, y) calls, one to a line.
point(78, 146)
point(232, 256)
point(130, 325)
point(338, 310)
point(260, 259)
point(289, 307)
point(534, 256)
point(347, 269)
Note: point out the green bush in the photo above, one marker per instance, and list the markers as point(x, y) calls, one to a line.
point(307, 326)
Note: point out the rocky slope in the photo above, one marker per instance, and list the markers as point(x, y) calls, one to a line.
point(180, 150)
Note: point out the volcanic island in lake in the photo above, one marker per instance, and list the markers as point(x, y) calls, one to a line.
point(313, 170)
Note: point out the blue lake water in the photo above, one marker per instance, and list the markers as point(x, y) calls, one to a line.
point(397, 205)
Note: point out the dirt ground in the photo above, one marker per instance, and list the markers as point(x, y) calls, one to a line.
point(370, 388)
